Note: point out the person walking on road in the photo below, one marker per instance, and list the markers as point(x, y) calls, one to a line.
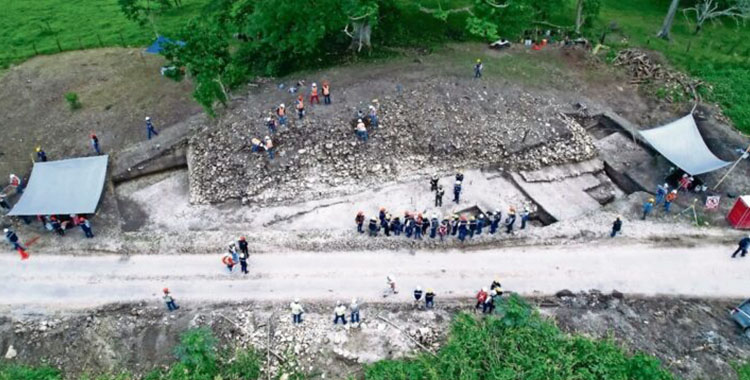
point(743, 247)
point(495, 222)
point(391, 282)
point(616, 227)
point(150, 130)
point(169, 300)
point(434, 182)
point(354, 311)
point(297, 311)
point(242, 243)
point(647, 207)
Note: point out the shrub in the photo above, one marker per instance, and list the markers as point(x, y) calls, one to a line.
point(72, 99)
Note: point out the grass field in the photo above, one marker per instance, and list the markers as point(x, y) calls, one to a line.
point(32, 27)
point(720, 54)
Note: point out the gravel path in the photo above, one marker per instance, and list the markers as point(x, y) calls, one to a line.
point(68, 282)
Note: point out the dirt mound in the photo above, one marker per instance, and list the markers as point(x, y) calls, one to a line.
point(428, 123)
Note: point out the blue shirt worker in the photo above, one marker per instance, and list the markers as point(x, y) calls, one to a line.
point(616, 227)
point(495, 222)
point(647, 207)
point(661, 192)
point(150, 130)
point(457, 191)
point(169, 300)
point(743, 247)
point(524, 217)
point(41, 155)
point(478, 67)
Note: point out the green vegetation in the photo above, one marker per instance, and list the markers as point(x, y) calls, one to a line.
point(719, 54)
point(35, 27)
point(73, 101)
point(517, 343)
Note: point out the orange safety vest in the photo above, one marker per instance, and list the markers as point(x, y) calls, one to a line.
point(314, 91)
point(671, 197)
point(326, 90)
point(227, 260)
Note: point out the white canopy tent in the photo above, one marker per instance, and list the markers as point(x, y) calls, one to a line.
point(681, 143)
point(63, 187)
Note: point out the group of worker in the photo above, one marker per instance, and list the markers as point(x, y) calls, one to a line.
point(417, 226)
point(664, 195)
point(487, 300)
point(363, 120)
point(232, 257)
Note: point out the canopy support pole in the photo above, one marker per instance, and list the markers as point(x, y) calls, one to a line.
point(732, 168)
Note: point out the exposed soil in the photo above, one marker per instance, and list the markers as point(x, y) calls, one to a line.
point(693, 338)
point(117, 88)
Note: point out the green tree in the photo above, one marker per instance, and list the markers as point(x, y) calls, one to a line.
point(586, 12)
point(206, 56)
point(145, 11)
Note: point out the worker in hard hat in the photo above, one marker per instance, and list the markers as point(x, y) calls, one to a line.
point(13, 239)
point(661, 193)
point(439, 193)
point(396, 226)
point(150, 130)
point(443, 229)
point(489, 302)
point(510, 220)
point(671, 197)
point(169, 300)
point(361, 130)
point(744, 244)
point(242, 244)
point(297, 311)
point(228, 261)
point(418, 223)
point(481, 297)
point(360, 221)
point(314, 94)
point(463, 228)
point(300, 105)
point(480, 223)
point(434, 224)
point(326, 92)
point(373, 227)
point(472, 226)
point(271, 125)
point(354, 311)
point(496, 284)
point(281, 114)
point(647, 207)
point(417, 295)
point(429, 299)
point(373, 115)
point(497, 216)
point(457, 191)
point(478, 67)
point(434, 182)
point(339, 313)
point(95, 143)
point(268, 146)
point(391, 282)
point(386, 224)
point(255, 145)
point(41, 155)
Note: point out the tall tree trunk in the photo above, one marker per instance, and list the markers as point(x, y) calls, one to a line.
point(579, 15)
point(361, 35)
point(668, 20)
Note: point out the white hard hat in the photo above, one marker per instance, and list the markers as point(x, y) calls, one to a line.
point(372, 107)
point(359, 120)
point(148, 118)
point(497, 211)
point(5, 230)
point(354, 300)
point(282, 105)
point(296, 300)
point(419, 287)
point(666, 185)
point(434, 216)
point(338, 303)
point(481, 216)
point(268, 138)
point(268, 119)
point(484, 289)
point(314, 84)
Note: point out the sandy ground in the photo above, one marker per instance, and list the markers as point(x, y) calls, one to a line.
point(79, 282)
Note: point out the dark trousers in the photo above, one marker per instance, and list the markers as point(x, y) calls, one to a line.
point(456, 197)
point(327, 99)
point(740, 249)
point(152, 131)
point(614, 232)
point(172, 306)
point(429, 304)
point(296, 318)
point(438, 201)
point(509, 228)
point(96, 148)
point(87, 231)
point(359, 228)
point(523, 223)
point(355, 317)
point(243, 265)
point(339, 318)
point(486, 307)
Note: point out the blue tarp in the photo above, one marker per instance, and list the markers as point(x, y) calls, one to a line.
point(158, 46)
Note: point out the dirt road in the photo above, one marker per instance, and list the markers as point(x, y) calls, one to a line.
point(63, 282)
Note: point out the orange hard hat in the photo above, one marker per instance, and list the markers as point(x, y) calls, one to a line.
point(165, 290)
point(300, 97)
point(242, 238)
